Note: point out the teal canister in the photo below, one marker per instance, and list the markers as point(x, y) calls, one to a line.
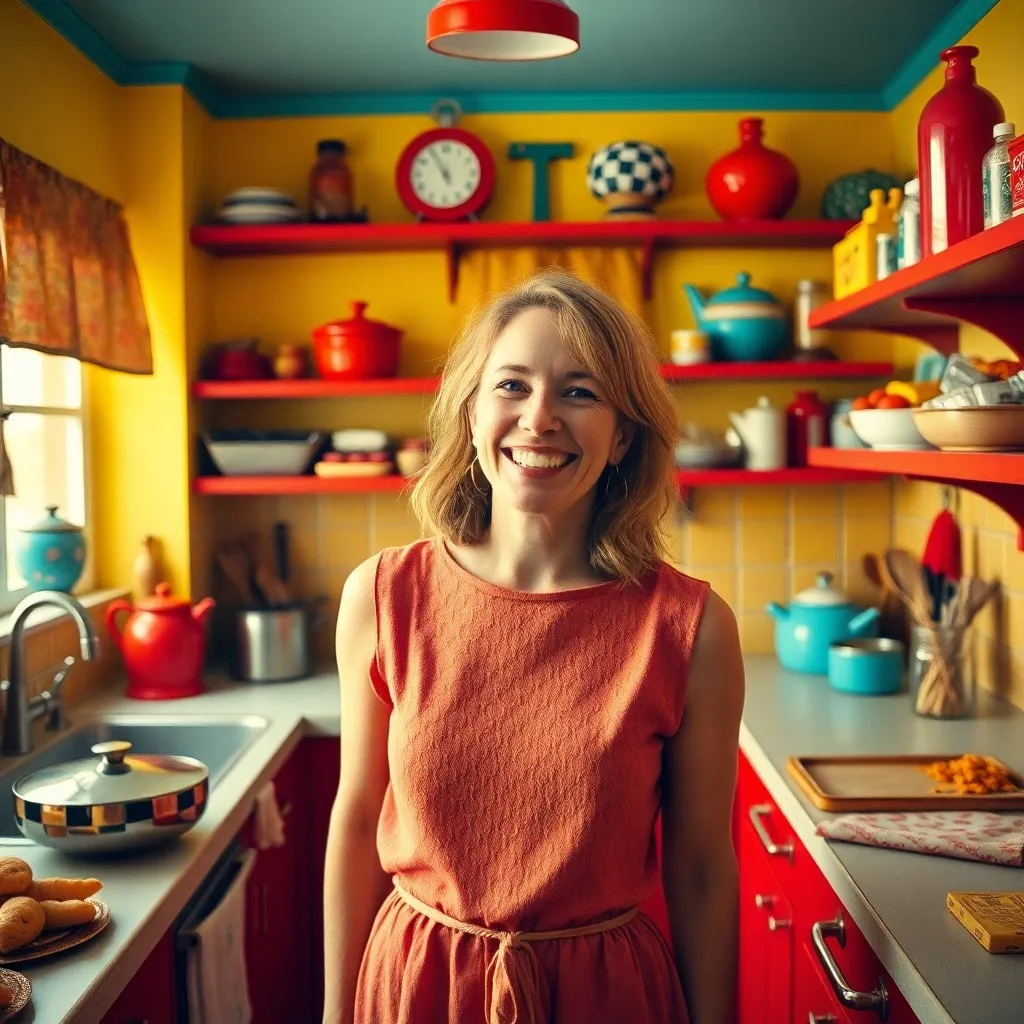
point(51, 553)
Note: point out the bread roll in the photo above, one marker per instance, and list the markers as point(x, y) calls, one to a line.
point(21, 920)
point(67, 913)
point(15, 875)
point(63, 888)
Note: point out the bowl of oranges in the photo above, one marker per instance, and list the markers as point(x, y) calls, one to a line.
point(884, 418)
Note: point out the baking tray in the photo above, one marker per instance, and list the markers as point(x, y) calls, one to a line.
point(891, 783)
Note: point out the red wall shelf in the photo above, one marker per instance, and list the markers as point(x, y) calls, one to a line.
point(979, 281)
point(261, 485)
point(996, 476)
point(310, 388)
point(454, 239)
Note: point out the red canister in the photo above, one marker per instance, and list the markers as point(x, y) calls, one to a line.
point(806, 426)
point(1017, 176)
point(954, 133)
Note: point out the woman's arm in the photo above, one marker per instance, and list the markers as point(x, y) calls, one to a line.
point(354, 883)
point(699, 863)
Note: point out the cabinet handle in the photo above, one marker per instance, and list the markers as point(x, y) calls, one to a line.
point(762, 900)
point(821, 1018)
point(877, 999)
point(756, 812)
point(776, 924)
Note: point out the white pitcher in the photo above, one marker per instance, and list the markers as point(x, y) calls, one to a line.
point(762, 430)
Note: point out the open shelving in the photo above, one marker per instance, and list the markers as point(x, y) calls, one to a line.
point(314, 388)
point(979, 281)
point(280, 485)
point(996, 476)
point(455, 239)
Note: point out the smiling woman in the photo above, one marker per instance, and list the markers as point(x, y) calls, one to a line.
point(542, 687)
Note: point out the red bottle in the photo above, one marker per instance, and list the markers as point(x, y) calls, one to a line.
point(953, 134)
point(752, 182)
point(806, 426)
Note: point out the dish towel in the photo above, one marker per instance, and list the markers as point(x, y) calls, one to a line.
point(215, 979)
point(268, 828)
point(967, 835)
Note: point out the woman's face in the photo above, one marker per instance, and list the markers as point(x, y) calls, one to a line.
point(543, 428)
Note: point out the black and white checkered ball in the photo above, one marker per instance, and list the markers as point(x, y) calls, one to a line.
point(631, 168)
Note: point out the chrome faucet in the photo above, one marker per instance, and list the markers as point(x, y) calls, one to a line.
point(19, 711)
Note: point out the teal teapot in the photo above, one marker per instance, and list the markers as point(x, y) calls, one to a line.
point(743, 324)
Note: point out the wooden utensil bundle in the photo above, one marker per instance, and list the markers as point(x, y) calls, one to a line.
point(942, 693)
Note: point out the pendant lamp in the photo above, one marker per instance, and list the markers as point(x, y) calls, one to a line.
point(503, 29)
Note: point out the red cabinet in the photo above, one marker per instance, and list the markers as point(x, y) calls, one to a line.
point(278, 922)
point(149, 997)
point(324, 770)
point(798, 945)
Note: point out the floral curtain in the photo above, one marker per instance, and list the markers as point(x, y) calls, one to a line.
point(68, 283)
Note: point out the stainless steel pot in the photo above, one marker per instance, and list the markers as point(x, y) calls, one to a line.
point(272, 645)
point(112, 803)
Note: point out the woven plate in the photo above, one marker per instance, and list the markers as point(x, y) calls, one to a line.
point(22, 989)
point(49, 943)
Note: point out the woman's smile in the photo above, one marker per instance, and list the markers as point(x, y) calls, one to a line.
point(539, 463)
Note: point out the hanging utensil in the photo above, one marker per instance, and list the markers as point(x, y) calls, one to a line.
point(942, 558)
point(280, 533)
point(892, 622)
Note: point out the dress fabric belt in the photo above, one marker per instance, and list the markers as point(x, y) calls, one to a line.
point(515, 991)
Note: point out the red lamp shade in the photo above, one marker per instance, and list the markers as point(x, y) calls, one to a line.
point(503, 29)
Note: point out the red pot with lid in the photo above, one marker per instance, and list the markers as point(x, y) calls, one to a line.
point(163, 643)
point(356, 349)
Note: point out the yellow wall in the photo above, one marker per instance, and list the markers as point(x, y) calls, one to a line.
point(990, 536)
point(126, 144)
point(753, 544)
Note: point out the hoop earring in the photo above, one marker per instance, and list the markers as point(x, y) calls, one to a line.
point(472, 477)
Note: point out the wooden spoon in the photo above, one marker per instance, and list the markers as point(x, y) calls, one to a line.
point(902, 571)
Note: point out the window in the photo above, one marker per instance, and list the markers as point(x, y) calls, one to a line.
point(45, 438)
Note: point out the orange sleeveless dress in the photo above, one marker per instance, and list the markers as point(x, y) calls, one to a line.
point(525, 748)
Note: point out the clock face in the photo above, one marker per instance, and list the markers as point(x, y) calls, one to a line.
point(445, 174)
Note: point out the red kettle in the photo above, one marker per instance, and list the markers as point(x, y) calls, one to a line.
point(163, 643)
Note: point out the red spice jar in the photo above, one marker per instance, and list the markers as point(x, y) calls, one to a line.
point(954, 133)
point(806, 426)
point(1017, 176)
point(752, 182)
point(330, 183)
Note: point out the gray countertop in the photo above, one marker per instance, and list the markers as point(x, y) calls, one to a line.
point(896, 898)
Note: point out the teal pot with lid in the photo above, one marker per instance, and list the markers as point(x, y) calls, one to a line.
point(816, 618)
point(50, 553)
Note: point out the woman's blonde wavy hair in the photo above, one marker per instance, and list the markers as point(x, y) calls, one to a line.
point(626, 533)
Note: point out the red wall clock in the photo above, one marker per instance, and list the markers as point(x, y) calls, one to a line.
point(445, 174)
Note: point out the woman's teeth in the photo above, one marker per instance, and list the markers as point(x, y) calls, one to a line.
point(534, 460)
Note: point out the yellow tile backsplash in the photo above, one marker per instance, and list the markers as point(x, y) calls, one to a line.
point(989, 541)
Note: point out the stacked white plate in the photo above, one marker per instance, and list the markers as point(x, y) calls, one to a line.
point(258, 206)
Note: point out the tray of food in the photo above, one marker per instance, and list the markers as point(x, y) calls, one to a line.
point(908, 782)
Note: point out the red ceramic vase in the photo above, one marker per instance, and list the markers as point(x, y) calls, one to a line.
point(752, 182)
point(953, 134)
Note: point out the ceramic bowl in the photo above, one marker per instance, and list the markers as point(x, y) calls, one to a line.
point(973, 428)
point(887, 429)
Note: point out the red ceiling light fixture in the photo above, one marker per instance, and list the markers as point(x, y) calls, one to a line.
point(503, 29)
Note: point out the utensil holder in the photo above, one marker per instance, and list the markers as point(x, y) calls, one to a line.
point(941, 672)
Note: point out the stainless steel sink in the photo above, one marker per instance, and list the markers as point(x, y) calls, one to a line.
point(216, 741)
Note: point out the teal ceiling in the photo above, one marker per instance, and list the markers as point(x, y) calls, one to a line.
point(257, 57)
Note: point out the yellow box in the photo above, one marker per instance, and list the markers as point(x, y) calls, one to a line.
point(995, 919)
point(854, 260)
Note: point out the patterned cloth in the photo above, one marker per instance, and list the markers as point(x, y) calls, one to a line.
point(630, 168)
point(967, 835)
